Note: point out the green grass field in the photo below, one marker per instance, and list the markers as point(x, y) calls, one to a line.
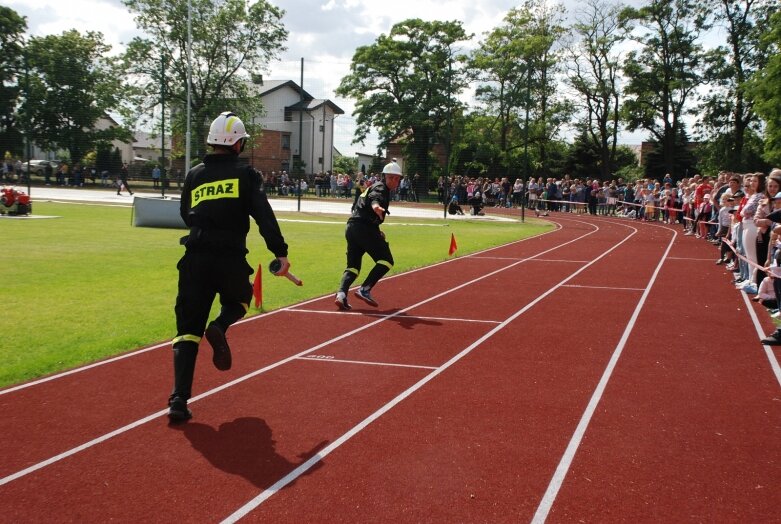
point(88, 285)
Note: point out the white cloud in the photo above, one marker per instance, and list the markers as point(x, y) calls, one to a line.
point(324, 32)
point(109, 17)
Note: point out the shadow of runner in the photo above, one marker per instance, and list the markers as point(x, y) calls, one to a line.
point(245, 447)
point(409, 321)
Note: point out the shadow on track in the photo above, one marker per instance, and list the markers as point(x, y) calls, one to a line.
point(245, 447)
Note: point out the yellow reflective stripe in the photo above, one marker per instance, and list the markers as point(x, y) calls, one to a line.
point(366, 192)
point(353, 270)
point(215, 190)
point(187, 338)
point(229, 123)
point(385, 263)
point(245, 306)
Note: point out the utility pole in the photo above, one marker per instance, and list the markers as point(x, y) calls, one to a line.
point(162, 126)
point(299, 168)
point(189, 86)
point(27, 120)
point(526, 140)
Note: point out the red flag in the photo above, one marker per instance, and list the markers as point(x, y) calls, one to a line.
point(257, 287)
point(453, 246)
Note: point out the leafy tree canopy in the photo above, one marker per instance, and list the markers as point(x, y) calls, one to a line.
point(406, 82)
point(232, 40)
point(12, 28)
point(72, 85)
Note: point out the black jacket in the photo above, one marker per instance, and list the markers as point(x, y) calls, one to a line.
point(362, 210)
point(218, 196)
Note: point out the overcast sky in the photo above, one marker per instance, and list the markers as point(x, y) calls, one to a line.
point(324, 33)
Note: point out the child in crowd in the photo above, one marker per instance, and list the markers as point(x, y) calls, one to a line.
point(726, 210)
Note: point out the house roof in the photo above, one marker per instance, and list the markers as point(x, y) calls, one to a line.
point(270, 86)
point(315, 103)
point(144, 140)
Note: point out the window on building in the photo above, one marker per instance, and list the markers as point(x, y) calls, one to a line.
point(285, 141)
point(288, 115)
point(319, 160)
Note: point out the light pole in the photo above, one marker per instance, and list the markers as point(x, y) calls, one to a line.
point(189, 86)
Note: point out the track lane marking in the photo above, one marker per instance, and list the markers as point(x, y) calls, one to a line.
point(607, 287)
point(132, 425)
point(771, 356)
point(312, 358)
point(303, 468)
point(570, 261)
point(264, 315)
point(577, 437)
point(382, 315)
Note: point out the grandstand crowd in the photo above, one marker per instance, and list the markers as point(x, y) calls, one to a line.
point(740, 214)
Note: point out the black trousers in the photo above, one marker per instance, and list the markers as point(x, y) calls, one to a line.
point(365, 238)
point(203, 275)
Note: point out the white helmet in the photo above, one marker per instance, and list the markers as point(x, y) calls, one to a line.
point(391, 168)
point(226, 130)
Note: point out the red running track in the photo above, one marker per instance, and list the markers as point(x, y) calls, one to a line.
point(603, 372)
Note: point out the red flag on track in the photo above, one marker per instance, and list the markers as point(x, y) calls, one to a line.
point(257, 287)
point(453, 246)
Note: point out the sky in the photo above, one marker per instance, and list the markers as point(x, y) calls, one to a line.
point(325, 33)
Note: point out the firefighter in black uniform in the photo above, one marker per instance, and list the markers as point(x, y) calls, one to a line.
point(364, 236)
point(217, 197)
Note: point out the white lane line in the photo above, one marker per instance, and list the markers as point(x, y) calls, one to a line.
point(303, 468)
point(569, 454)
point(771, 356)
point(570, 261)
point(255, 373)
point(79, 370)
point(607, 287)
point(495, 258)
point(317, 358)
point(86, 445)
point(382, 315)
point(264, 315)
point(691, 259)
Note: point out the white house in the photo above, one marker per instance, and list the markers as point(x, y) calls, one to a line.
point(301, 124)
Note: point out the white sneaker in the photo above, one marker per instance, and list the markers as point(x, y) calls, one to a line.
point(341, 301)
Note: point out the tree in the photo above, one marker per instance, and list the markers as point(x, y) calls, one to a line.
point(503, 74)
point(12, 28)
point(517, 64)
point(72, 85)
point(594, 73)
point(345, 164)
point(232, 40)
point(664, 73)
point(405, 85)
point(727, 112)
point(551, 111)
point(764, 88)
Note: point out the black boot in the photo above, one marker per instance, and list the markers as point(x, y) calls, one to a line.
point(185, 354)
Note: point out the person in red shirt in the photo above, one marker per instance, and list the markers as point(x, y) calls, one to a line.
point(702, 189)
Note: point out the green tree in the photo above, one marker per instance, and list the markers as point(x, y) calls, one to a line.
point(503, 75)
point(72, 86)
point(12, 28)
point(594, 73)
point(517, 65)
point(346, 164)
point(664, 73)
point(727, 112)
point(550, 110)
point(231, 41)
point(764, 88)
point(405, 85)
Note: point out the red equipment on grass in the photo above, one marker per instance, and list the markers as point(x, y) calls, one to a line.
point(13, 202)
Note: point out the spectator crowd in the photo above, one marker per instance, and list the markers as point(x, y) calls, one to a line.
point(739, 213)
